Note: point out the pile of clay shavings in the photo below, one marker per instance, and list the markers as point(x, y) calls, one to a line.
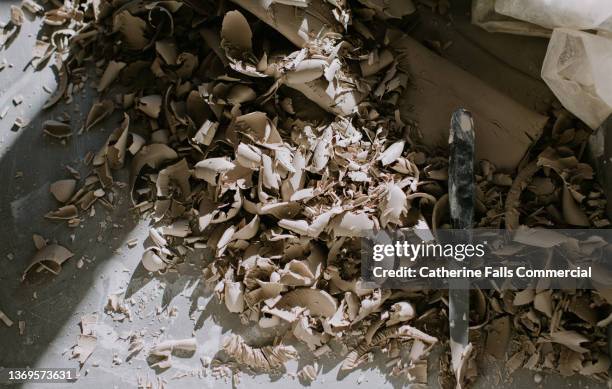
point(274, 154)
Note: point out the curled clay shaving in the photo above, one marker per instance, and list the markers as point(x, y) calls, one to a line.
point(61, 88)
point(5, 319)
point(162, 352)
point(57, 129)
point(358, 356)
point(309, 372)
point(266, 358)
point(50, 258)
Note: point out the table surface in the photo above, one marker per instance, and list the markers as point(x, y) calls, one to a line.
point(52, 309)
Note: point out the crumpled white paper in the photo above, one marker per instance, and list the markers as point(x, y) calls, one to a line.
point(577, 69)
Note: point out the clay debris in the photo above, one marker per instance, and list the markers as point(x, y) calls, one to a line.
point(266, 358)
point(161, 354)
point(276, 155)
point(87, 340)
point(49, 257)
point(5, 319)
point(554, 331)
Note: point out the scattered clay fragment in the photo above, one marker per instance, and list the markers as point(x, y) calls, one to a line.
point(136, 143)
point(39, 241)
point(352, 224)
point(571, 211)
point(150, 105)
point(524, 297)
point(32, 7)
point(600, 366)
point(136, 345)
point(309, 372)
point(466, 371)
point(206, 133)
point(66, 212)
point(16, 15)
point(162, 352)
point(234, 296)
point(49, 258)
point(98, 112)
point(113, 152)
point(394, 206)
point(86, 341)
point(179, 228)
point(41, 53)
point(152, 261)
point(152, 156)
point(235, 32)
point(267, 358)
point(57, 129)
point(85, 346)
point(392, 153)
point(570, 339)
point(110, 74)
point(63, 190)
point(400, 312)
point(360, 354)
point(5, 319)
point(132, 30)
point(117, 308)
point(88, 323)
point(210, 169)
point(61, 88)
point(20, 122)
point(319, 302)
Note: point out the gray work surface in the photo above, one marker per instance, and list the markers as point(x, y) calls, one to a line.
point(52, 308)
